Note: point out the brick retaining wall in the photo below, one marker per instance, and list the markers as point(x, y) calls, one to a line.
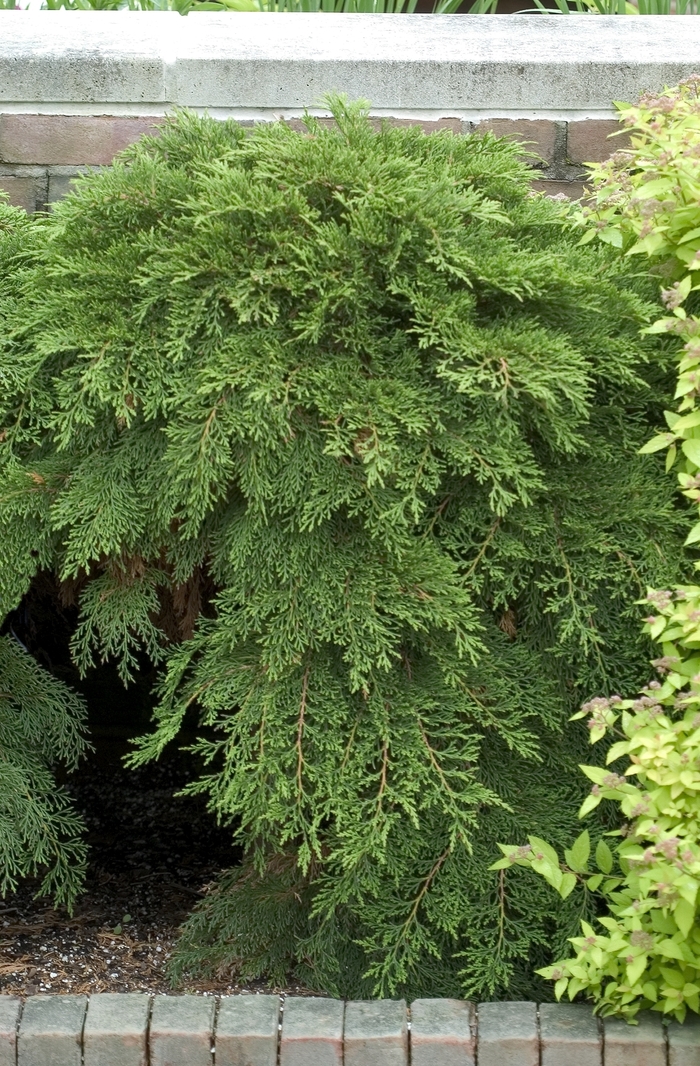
point(131, 1029)
point(75, 87)
point(41, 154)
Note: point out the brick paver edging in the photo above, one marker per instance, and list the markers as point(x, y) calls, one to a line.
point(131, 1029)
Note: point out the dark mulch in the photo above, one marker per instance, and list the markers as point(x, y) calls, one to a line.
point(152, 856)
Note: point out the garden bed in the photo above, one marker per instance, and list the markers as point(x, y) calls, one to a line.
point(152, 856)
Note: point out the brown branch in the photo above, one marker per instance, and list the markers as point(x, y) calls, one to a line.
point(382, 782)
point(424, 888)
point(300, 730)
point(482, 549)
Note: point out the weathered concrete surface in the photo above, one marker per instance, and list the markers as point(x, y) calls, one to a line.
point(10, 1010)
point(376, 1033)
point(247, 1031)
point(684, 1042)
point(51, 1031)
point(508, 1034)
point(182, 1030)
point(443, 1031)
point(116, 1029)
point(569, 1033)
point(312, 1032)
point(635, 1045)
point(418, 63)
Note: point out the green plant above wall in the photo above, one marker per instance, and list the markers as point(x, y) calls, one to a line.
point(342, 428)
point(394, 7)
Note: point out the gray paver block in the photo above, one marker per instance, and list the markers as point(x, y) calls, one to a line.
point(635, 1045)
point(247, 1031)
point(10, 1008)
point(116, 1029)
point(50, 1031)
point(312, 1032)
point(684, 1042)
point(508, 1034)
point(442, 1031)
point(181, 1030)
point(569, 1033)
point(376, 1033)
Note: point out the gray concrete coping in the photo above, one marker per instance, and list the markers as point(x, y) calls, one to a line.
point(10, 1011)
point(182, 1030)
point(312, 1032)
point(116, 1029)
point(643, 1044)
point(684, 1042)
point(508, 1034)
point(51, 1031)
point(569, 1033)
point(444, 1031)
point(376, 1033)
point(141, 62)
point(112, 1029)
point(247, 1029)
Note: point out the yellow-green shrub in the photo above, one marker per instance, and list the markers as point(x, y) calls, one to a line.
point(646, 201)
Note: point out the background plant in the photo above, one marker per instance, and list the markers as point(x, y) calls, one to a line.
point(184, 7)
point(646, 203)
point(342, 428)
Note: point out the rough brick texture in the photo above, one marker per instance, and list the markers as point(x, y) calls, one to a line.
point(376, 1033)
point(508, 1034)
point(635, 1045)
point(247, 1031)
point(684, 1042)
point(67, 140)
point(40, 155)
point(60, 182)
point(10, 1010)
point(569, 1033)
point(116, 1029)
point(51, 1031)
point(443, 1031)
point(589, 140)
point(25, 186)
point(182, 1030)
point(312, 1032)
point(538, 135)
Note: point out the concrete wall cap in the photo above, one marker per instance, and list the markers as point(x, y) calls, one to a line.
point(249, 60)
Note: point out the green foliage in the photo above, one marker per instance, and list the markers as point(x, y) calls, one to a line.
point(649, 956)
point(41, 721)
point(620, 7)
point(647, 202)
point(185, 7)
point(344, 426)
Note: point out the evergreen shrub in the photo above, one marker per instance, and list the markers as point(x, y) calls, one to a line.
point(342, 428)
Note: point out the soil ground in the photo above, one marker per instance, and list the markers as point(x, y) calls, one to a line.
point(152, 856)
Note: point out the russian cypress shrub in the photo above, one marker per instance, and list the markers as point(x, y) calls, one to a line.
point(342, 428)
point(41, 721)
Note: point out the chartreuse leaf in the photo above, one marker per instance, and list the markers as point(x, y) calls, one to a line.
point(577, 855)
point(636, 969)
point(691, 450)
point(567, 885)
point(656, 444)
point(603, 857)
point(541, 847)
point(684, 915)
